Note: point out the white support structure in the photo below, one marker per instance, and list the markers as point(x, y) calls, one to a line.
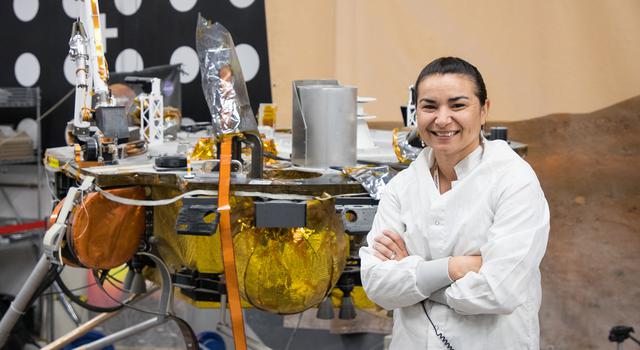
point(152, 114)
point(411, 109)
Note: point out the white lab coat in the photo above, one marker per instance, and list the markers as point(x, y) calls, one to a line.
point(496, 209)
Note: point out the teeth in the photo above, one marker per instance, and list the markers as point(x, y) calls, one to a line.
point(445, 133)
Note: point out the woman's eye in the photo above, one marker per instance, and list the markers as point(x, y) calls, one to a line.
point(458, 106)
point(428, 107)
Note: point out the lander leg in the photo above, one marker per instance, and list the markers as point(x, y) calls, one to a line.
point(165, 313)
point(21, 301)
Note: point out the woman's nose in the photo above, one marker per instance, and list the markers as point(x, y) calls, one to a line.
point(443, 117)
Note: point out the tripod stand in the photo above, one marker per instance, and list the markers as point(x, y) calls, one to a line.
point(619, 334)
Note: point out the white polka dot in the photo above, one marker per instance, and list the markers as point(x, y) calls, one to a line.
point(25, 10)
point(241, 3)
point(69, 69)
point(190, 64)
point(27, 69)
point(129, 60)
point(128, 7)
point(71, 8)
point(249, 60)
point(183, 5)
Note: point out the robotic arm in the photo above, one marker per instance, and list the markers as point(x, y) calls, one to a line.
point(92, 74)
point(98, 124)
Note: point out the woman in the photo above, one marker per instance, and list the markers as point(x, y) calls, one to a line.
point(457, 241)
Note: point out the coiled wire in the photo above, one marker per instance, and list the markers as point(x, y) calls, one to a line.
point(444, 339)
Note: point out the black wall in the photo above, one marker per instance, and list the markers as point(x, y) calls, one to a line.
point(155, 30)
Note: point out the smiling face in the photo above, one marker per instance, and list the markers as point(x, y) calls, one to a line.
point(450, 115)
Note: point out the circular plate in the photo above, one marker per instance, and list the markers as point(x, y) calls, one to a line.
point(30, 127)
point(7, 130)
point(364, 99)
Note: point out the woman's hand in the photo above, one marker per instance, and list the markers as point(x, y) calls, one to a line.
point(389, 246)
point(461, 265)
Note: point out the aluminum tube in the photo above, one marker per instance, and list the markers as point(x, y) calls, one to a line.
point(92, 323)
point(20, 303)
point(127, 332)
point(51, 331)
point(80, 331)
point(66, 305)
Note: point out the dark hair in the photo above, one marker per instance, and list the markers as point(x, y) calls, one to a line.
point(453, 65)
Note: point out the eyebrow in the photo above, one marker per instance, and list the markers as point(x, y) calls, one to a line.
point(453, 99)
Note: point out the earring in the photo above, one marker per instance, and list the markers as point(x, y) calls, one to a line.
point(423, 144)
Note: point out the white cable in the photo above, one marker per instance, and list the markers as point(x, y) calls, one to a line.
point(153, 203)
point(161, 202)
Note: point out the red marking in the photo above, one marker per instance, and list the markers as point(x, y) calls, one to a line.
point(8, 229)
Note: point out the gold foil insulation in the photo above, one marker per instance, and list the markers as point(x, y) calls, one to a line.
point(281, 270)
point(289, 174)
point(267, 114)
point(290, 270)
point(359, 296)
point(202, 253)
point(269, 147)
point(204, 149)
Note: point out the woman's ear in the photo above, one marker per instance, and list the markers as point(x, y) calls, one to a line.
point(484, 112)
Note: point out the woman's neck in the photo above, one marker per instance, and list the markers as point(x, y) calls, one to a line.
point(446, 163)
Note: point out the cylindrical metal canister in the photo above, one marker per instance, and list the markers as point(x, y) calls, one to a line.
point(330, 117)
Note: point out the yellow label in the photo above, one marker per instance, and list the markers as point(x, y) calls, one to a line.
point(53, 162)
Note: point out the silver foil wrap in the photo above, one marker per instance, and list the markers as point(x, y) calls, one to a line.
point(373, 179)
point(222, 80)
point(404, 151)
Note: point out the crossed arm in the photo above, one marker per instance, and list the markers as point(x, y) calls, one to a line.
point(496, 282)
point(390, 246)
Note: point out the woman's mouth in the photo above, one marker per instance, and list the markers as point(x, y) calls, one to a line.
point(447, 133)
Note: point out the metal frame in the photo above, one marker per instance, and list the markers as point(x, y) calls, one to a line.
point(152, 114)
point(15, 97)
point(165, 309)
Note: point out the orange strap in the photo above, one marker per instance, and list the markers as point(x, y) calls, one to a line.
point(231, 276)
point(97, 37)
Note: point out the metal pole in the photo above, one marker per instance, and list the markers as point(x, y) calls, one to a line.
point(21, 301)
point(39, 155)
point(51, 333)
point(94, 322)
point(66, 305)
point(127, 332)
point(11, 206)
point(80, 331)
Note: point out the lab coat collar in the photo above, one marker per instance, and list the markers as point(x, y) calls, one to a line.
point(465, 166)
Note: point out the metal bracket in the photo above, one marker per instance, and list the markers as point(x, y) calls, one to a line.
point(193, 218)
point(52, 241)
point(357, 218)
point(280, 213)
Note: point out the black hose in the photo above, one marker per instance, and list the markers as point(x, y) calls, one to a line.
point(49, 277)
point(80, 302)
